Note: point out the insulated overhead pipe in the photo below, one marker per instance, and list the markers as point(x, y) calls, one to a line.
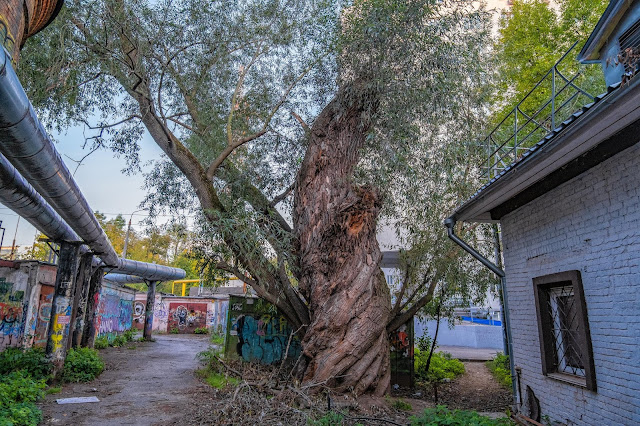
point(26, 145)
point(123, 278)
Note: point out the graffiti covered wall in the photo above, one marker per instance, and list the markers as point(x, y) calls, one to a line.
point(11, 314)
point(186, 317)
point(114, 314)
point(257, 332)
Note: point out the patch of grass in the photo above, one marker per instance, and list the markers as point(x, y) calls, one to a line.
point(332, 418)
point(101, 342)
point(33, 361)
point(18, 393)
point(217, 339)
point(441, 415)
point(129, 334)
point(442, 366)
point(401, 404)
point(53, 390)
point(82, 365)
point(219, 380)
point(500, 368)
point(201, 330)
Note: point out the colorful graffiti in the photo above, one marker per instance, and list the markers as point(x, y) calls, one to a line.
point(258, 333)
point(114, 313)
point(139, 309)
point(43, 316)
point(401, 357)
point(11, 314)
point(186, 317)
point(217, 315)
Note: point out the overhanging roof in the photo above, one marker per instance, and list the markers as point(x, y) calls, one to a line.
point(608, 21)
point(597, 132)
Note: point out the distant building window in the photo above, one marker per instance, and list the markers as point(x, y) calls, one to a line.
point(565, 341)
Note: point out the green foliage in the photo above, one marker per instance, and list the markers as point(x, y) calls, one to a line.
point(33, 361)
point(442, 367)
point(332, 418)
point(118, 341)
point(82, 365)
point(217, 339)
point(201, 330)
point(53, 390)
point(501, 369)
point(101, 342)
point(18, 393)
point(402, 405)
point(441, 415)
point(218, 380)
point(174, 330)
point(129, 335)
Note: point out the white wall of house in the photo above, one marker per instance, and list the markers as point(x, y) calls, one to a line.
point(590, 224)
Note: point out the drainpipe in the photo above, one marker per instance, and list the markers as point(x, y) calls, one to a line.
point(508, 349)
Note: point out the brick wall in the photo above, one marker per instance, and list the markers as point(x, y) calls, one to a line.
point(590, 224)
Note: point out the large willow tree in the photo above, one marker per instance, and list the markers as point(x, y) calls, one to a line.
point(288, 125)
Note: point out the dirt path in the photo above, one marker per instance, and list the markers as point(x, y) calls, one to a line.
point(150, 383)
point(476, 389)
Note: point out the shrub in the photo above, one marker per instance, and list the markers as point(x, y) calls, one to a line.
point(401, 404)
point(33, 361)
point(101, 342)
point(174, 330)
point(129, 334)
point(442, 366)
point(201, 330)
point(441, 415)
point(118, 341)
point(82, 365)
point(501, 369)
point(18, 394)
point(217, 339)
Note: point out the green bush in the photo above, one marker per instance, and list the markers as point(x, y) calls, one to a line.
point(118, 341)
point(101, 342)
point(441, 415)
point(501, 369)
point(82, 365)
point(442, 366)
point(18, 394)
point(217, 339)
point(174, 330)
point(201, 330)
point(32, 361)
point(129, 334)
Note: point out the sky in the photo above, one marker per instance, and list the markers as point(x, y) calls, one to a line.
point(100, 179)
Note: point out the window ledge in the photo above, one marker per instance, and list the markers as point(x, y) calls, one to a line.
point(568, 378)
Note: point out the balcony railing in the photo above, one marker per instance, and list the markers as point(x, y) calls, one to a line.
point(553, 100)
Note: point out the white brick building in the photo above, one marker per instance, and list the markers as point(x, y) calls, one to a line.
point(569, 210)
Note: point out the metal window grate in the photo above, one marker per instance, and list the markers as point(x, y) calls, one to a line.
point(566, 331)
point(630, 38)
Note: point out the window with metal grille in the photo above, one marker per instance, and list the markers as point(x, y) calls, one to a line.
point(565, 342)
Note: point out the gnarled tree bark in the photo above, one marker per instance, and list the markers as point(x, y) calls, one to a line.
point(346, 344)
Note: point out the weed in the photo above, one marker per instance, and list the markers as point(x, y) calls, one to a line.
point(18, 394)
point(174, 330)
point(33, 361)
point(441, 415)
point(217, 339)
point(442, 366)
point(330, 419)
point(118, 341)
point(402, 405)
point(501, 369)
point(82, 365)
point(131, 347)
point(101, 342)
point(218, 380)
point(201, 330)
point(53, 390)
point(129, 334)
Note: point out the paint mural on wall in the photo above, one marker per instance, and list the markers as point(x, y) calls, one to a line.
point(43, 316)
point(139, 309)
point(114, 313)
point(217, 316)
point(11, 314)
point(186, 317)
point(258, 333)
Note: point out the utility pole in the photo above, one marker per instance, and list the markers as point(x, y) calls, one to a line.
point(126, 238)
point(13, 245)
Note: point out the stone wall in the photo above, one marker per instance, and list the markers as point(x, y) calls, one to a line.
point(590, 224)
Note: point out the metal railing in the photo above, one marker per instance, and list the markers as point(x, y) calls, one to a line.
point(553, 99)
